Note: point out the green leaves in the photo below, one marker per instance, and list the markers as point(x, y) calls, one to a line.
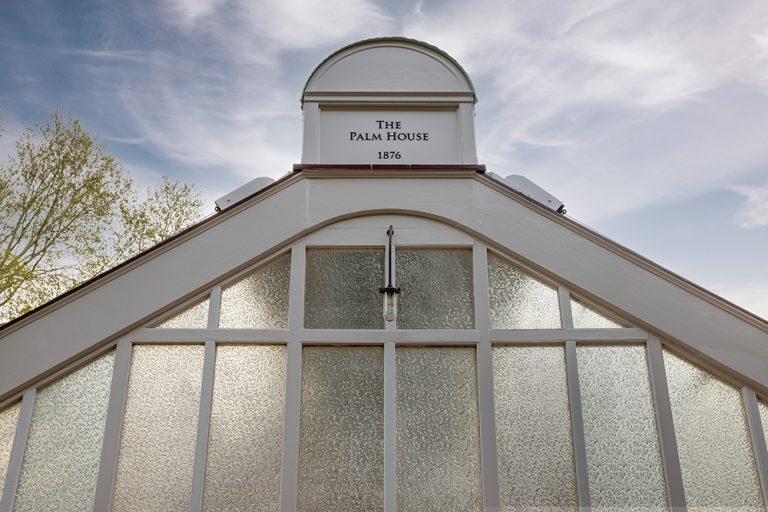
point(68, 211)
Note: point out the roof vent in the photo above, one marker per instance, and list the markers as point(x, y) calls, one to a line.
point(532, 190)
point(241, 193)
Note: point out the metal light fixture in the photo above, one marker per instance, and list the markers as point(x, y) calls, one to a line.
point(390, 291)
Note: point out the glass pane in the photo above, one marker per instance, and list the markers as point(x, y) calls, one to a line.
point(518, 301)
point(587, 318)
point(195, 317)
point(157, 449)
point(712, 439)
point(8, 419)
point(438, 442)
point(533, 429)
point(623, 456)
point(260, 301)
point(342, 289)
point(61, 461)
point(437, 289)
point(342, 429)
point(244, 447)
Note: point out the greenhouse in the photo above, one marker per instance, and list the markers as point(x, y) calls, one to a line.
point(389, 326)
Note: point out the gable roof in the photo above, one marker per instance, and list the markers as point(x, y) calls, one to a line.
point(713, 331)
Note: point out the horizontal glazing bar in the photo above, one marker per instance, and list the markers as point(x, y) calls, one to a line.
point(201, 335)
point(379, 336)
point(578, 335)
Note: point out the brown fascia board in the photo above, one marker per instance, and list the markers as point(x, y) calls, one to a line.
point(391, 167)
point(606, 242)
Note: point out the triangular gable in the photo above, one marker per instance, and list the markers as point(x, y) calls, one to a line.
point(710, 330)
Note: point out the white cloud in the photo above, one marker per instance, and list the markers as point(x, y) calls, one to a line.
point(190, 11)
point(10, 131)
point(220, 99)
point(754, 212)
point(286, 24)
point(309, 23)
point(613, 105)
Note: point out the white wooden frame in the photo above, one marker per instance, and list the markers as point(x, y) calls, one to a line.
point(482, 336)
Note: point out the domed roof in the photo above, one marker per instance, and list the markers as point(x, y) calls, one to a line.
point(389, 64)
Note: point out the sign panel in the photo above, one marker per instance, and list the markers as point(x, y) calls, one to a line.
point(388, 137)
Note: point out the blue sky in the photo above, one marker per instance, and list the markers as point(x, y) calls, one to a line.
point(649, 119)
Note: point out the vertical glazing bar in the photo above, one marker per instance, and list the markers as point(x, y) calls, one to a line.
point(214, 307)
point(577, 426)
point(667, 442)
point(390, 429)
point(113, 428)
point(486, 410)
point(17, 451)
point(758, 438)
point(566, 316)
point(203, 424)
point(290, 462)
point(574, 403)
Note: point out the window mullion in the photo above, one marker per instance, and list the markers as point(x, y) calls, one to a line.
point(486, 410)
point(667, 442)
point(203, 425)
point(289, 481)
point(574, 402)
point(758, 438)
point(390, 428)
point(110, 448)
point(17, 450)
point(214, 307)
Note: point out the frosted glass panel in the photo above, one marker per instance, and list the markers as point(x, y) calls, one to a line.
point(519, 301)
point(260, 301)
point(342, 429)
point(533, 429)
point(436, 289)
point(712, 440)
point(8, 419)
point(625, 471)
point(154, 470)
point(61, 461)
point(587, 318)
point(195, 317)
point(342, 289)
point(244, 448)
point(438, 444)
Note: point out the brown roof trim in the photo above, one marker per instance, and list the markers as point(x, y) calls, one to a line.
point(391, 167)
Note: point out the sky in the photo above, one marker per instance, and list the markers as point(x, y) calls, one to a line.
point(648, 119)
